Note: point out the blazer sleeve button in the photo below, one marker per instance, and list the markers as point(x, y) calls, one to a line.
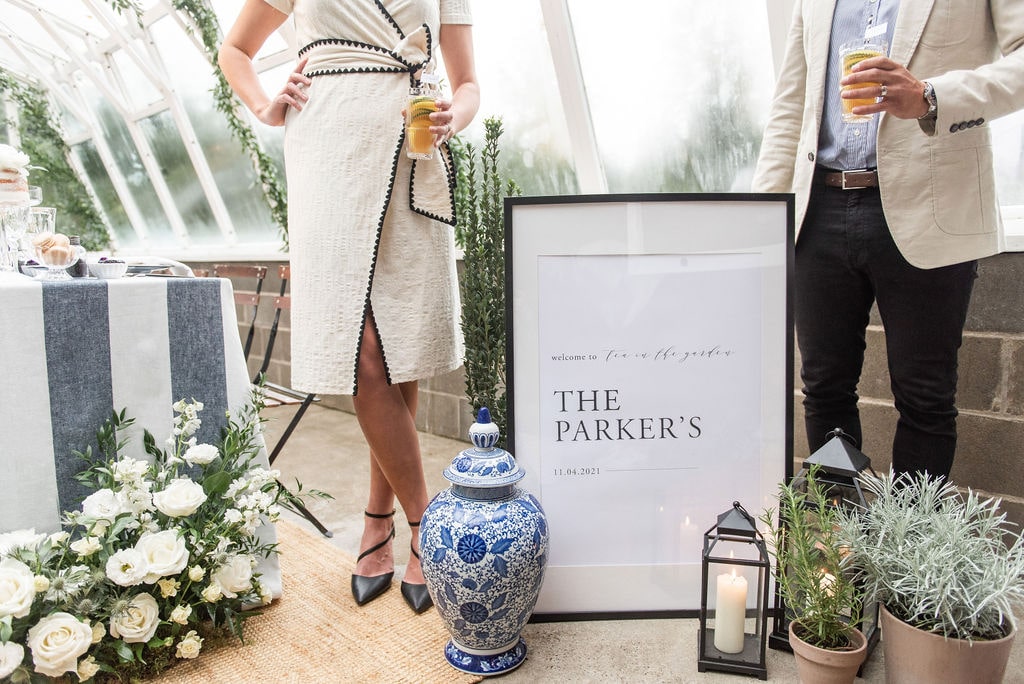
point(810, 156)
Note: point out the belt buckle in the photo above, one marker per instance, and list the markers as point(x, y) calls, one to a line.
point(851, 172)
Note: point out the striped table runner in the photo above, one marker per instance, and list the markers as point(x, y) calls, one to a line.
point(74, 351)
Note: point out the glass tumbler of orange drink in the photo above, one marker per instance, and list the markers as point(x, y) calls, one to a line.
point(851, 54)
point(422, 102)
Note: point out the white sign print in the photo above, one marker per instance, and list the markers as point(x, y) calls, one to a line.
point(645, 386)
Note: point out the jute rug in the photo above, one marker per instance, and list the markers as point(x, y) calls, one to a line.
point(316, 633)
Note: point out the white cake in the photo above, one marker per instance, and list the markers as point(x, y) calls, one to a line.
point(13, 176)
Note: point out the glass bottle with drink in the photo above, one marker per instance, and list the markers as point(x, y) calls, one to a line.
point(419, 141)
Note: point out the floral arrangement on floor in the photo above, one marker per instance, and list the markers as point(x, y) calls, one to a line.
point(161, 556)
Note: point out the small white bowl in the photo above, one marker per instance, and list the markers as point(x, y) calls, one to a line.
point(107, 270)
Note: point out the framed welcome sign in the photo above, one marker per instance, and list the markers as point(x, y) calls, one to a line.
point(649, 383)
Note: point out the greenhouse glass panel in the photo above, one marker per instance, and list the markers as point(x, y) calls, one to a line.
point(523, 92)
point(106, 195)
point(137, 88)
point(660, 128)
point(192, 80)
point(129, 165)
point(1008, 149)
point(165, 141)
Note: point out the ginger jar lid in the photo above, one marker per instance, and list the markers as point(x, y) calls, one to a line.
point(484, 465)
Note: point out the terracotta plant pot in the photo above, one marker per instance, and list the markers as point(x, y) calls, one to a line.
point(823, 666)
point(914, 655)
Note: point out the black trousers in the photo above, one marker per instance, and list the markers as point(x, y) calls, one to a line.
point(846, 260)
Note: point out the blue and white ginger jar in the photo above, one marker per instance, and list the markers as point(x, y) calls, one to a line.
point(484, 549)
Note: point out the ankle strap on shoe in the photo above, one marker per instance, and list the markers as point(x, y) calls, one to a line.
point(379, 516)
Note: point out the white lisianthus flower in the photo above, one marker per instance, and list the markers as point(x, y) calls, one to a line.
point(196, 573)
point(11, 655)
point(235, 576)
point(86, 546)
point(181, 497)
point(41, 583)
point(127, 567)
point(165, 554)
point(189, 646)
point(17, 588)
point(103, 504)
point(138, 623)
point(59, 537)
point(233, 516)
point(181, 614)
point(129, 469)
point(168, 587)
point(87, 669)
point(265, 596)
point(212, 593)
point(201, 454)
point(56, 642)
point(19, 539)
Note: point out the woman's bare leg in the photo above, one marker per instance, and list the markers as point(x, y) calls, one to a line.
point(386, 414)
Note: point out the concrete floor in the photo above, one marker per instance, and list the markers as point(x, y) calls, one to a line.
point(327, 452)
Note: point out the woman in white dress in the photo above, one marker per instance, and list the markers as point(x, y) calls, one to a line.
point(374, 288)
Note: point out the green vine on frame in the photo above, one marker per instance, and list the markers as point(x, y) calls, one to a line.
point(42, 141)
point(204, 19)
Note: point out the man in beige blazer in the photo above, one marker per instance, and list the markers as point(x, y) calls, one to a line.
point(895, 210)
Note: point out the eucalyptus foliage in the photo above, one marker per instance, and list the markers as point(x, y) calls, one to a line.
point(480, 231)
point(41, 139)
point(811, 564)
point(943, 561)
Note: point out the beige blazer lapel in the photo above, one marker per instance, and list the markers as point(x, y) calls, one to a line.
point(818, 21)
point(913, 15)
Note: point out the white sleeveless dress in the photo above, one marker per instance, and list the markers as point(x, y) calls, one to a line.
point(367, 226)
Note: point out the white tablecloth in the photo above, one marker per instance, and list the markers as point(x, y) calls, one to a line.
point(74, 351)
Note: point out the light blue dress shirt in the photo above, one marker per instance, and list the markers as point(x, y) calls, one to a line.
point(842, 145)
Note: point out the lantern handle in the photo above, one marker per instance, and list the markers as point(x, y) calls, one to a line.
point(743, 511)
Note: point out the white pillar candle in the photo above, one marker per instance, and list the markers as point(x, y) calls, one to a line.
point(730, 613)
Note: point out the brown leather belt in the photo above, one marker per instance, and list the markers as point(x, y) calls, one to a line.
point(850, 180)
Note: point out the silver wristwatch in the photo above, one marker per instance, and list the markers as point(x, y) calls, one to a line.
point(933, 103)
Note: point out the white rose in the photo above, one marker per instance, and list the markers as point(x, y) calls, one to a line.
point(181, 614)
point(87, 669)
point(165, 554)
point(17, 588)
point(103, 504)
point(98, 632)
point(137, 624)
point(86, 546)
point(127, 567)
point(235, 576)
point(168, 587)
point(11, 655)
point(57, 642)
point(196, 573)
point(58, 538)
point(181, 497)
point(201, 454)
point(42, 583)
point(190, 645)
point(212, 593)
point(19, 539)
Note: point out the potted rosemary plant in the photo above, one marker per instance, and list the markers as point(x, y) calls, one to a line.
point(948, 572)
point(812, 577)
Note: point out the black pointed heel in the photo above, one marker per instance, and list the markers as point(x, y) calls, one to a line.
point(364, 588)
point(416, 595)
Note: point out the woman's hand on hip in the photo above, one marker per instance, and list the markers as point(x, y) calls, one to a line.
point(293, 94)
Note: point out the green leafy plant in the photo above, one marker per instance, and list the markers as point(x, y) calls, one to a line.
point(811, 564)
point(480, 231)
point(943, 561)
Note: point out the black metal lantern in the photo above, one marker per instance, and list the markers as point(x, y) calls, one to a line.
point(840, 464)
point(736, 557)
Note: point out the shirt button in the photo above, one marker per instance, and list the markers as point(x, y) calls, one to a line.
point(856, 133)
